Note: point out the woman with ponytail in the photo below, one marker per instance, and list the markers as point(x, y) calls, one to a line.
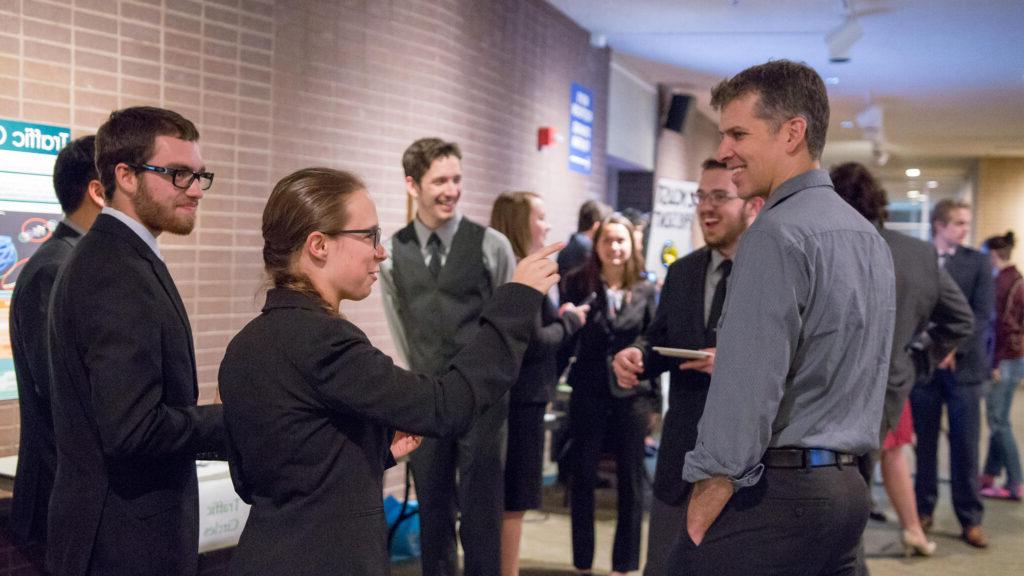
point(312, 407)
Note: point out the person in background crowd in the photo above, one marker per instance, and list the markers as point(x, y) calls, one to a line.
point(687, 317)
point(580, 244)
point(521, 217)
point(312, 407)
point(802, 352)
point(928, 301)
point(1008, 371)
point(443, 269)
point(957, 383)
point(128, 431)
point(622, 308)
point(81, 198)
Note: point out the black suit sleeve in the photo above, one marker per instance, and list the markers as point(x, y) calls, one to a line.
point(354, 377)
point(123, 350)
point(952, 319)
point(32, 333)
point(657, 331)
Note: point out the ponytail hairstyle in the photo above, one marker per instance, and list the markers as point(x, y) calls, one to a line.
point(305, 201)
point(1001, 245)
point(511, 216)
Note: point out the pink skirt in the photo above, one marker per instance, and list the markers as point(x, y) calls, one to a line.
point(903, 433)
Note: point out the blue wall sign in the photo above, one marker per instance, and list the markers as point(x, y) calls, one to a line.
point(581, 129)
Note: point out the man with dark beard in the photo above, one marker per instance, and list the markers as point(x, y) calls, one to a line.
point(687, 317)
point(128, 431)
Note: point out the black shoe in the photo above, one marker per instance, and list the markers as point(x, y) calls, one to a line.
point(877, 515)
point(926, 522)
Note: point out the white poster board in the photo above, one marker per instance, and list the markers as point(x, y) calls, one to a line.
point(671, 232)
point(29, 213)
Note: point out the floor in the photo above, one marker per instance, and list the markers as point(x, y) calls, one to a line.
point(546, 549)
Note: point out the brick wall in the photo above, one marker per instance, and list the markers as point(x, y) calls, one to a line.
point(278, 85)
point(1000, 202)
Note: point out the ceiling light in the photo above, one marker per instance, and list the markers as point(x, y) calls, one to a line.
point(913, 194)
point(841, 39)
point(832, 80)
point(933, 184)
point(913, 172)
point(847, 124)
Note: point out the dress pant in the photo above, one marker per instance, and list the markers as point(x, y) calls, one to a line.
point(963, 404)
point(623, 421)
point(794, 521)
point(463, 475)
point(666, 524)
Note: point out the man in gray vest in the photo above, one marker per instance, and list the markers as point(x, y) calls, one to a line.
point(443, 268)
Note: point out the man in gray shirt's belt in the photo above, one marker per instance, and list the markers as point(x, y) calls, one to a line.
point(803, 349)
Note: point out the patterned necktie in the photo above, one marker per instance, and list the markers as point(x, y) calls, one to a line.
point(717, 301)
point(434, 248)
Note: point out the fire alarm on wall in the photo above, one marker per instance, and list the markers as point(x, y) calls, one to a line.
point(545, 137)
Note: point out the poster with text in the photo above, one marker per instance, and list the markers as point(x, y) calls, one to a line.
point(29, 213)
point(671, 232)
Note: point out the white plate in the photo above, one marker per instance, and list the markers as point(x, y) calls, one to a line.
point(682, 353)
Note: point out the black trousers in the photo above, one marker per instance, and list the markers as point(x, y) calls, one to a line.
point(963, 406)
point(624, 422)
point(794, 522)
point(463, 475)
point(666, 523)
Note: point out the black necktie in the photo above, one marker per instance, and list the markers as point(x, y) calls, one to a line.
point(434, 248)
point(711, 333)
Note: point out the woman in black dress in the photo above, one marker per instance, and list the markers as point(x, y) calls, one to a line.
point(521, 217)
point(311, 406)
point(622, 308)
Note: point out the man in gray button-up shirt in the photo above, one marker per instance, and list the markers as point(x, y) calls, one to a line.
point(803, 349)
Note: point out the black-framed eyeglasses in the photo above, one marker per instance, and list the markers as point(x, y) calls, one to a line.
point(180, 177)
point(715, 197)
point(372, 233)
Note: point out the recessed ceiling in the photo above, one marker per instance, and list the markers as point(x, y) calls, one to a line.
point(948, 75)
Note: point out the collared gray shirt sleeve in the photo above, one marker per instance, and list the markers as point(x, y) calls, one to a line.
point(389, 295)
point(760, 330)
point(499, 258)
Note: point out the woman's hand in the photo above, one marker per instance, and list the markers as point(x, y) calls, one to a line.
point(403, 443)
point(579, 311)
point(538, 271)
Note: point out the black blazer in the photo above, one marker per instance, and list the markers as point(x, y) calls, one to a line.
point(128, 431)
point(37, 454)
point(973, 274)
point(926, 296)
point(310, 406)
point(539, 373)
point(598, 341)
point(679, 323)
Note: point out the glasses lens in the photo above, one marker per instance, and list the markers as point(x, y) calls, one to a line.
point(376, 237)
point(206, 180)
point(182, 178)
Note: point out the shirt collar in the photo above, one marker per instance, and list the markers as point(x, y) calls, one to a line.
point(446, 231)
point(716, 260)
point(73, 226)
point(810, 179)
point(137, 227)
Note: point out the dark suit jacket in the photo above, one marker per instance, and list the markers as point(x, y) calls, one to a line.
point(539, 373)
point(926, 296)
point(309, 405)
point(37, 454)
point(128, 431)
point(679, 323)
point(973, 274)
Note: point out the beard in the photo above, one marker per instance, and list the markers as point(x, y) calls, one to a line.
point(159, 217)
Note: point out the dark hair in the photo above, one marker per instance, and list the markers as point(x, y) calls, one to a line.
point(511, 216)
point(590, 272)
point(129, 136)
point(713, 164)
point(785, 90)
point(1001, 245)
point(590, 212)
point(855, 184)
point(303, 202)
point(74, 169)
point(421, 154)
point(943, 211)
point(638, 219)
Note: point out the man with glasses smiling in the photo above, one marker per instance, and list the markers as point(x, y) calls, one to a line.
point(128, 430)
point(687, 317)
